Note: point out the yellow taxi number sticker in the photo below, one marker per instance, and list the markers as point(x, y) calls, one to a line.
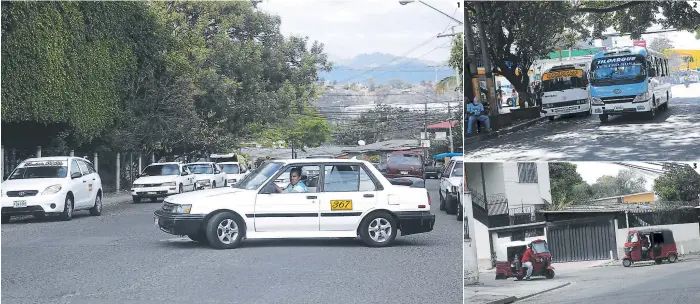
point(341, 205)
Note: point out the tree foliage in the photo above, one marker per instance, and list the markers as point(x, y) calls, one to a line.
point(624, 183)
point(152, 75)
point(678, 184)
point(567, 186)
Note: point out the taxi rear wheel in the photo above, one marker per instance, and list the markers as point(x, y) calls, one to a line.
point(224, 230)
point(378, 229)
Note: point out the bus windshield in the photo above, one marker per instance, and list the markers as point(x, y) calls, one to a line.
point(618, 70)
point(563, 80)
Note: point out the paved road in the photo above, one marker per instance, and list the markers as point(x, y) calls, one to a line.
point(644, 283)
point(121, 257)
point(672, 136)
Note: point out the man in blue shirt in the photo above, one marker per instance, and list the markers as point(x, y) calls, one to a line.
point(475, 111)
point(295, 183)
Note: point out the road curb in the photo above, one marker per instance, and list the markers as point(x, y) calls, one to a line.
point(505, 131)
point(546, 290)
point(504, 301)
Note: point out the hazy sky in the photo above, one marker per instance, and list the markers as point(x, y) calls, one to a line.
point(352, 27)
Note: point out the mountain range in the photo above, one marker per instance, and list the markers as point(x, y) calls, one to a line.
point(383, 67)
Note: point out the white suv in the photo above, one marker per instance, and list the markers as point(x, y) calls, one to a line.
point(160, 180)
point(345, 199)
point(235, 172)
point(207, 175)
point(52, 185)
point(450, 180)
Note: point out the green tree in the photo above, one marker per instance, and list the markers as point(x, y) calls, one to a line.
point(298, 131)
point(567, 186)
point(624, 183)
point(678, 184)
point(661, 44)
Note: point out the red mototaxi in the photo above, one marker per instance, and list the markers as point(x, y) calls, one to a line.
point(508, 266)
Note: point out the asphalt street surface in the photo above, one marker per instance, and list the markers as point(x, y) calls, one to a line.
point(673, 135)
point(642, 283)
point(121, 257)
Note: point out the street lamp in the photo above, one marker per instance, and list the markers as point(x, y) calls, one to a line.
point(404, 2)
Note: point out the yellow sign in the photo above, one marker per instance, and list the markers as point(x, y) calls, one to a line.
point(341, 204)
point(562, 74)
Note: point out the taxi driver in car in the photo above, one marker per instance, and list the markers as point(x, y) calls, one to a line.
point(295, 183)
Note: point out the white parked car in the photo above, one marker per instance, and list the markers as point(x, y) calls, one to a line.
point(160, 180)
point(52, 185)
point(207, 175)
point(450, 180)
point(235, 172)
point(348, 198)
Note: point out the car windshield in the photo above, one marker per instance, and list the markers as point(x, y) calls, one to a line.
point(39, 172)
point(230, 168)
point(404, 160)
point(256, 178)
point(563, 80)
point(201, 169)
point(539, 247)
point(161, 170)
point(458, 170)
point(618, 70)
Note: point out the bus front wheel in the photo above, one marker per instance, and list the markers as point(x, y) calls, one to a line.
point(603, 117)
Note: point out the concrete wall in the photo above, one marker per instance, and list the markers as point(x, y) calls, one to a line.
point(686, 235)
point(526, 193)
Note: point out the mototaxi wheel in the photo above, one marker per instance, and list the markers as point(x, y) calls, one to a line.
point(626, 262)
point(549, 274)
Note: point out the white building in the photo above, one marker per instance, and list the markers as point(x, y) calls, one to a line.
point(504, 197)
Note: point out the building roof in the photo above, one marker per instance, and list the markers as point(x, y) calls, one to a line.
point(443, 125)
point(389, 145)
point(619, 196)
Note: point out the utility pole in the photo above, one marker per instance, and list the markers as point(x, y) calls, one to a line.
point(485, 57)
point(470, 54)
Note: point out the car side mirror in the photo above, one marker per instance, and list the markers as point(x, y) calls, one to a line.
point(75, 175)
point(184, 174)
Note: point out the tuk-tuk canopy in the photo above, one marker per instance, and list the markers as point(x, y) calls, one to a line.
point(502, 251)
point(666, 233)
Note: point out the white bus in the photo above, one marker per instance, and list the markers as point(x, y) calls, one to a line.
point(565, 89)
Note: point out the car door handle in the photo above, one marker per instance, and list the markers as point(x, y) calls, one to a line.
point(368, 195)
point(84, 181)
point(311, 197)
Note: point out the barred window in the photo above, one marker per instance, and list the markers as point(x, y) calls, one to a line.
point(527, 172)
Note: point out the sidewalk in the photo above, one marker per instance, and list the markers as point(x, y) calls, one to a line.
point(493, 291)
point(510, 129)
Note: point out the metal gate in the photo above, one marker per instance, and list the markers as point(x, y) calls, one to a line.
point(582, 240)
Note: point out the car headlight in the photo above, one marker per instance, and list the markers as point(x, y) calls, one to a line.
point(52, 190)
point(4, 192)
point(583, 101)
point(596, 101)
point(137, 185)
point(182, 208)
point(641, 97)
point(169, 184)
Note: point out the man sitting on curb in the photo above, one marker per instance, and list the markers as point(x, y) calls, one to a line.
point(475, 111)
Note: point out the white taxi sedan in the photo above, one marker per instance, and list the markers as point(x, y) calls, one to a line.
point(235, 172)
point(207, 175)
point(52, 185)
point(346, 199)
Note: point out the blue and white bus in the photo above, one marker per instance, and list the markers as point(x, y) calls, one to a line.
point(629, 80)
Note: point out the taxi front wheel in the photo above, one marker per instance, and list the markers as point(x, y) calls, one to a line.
point(378, 229)
point(225, 230)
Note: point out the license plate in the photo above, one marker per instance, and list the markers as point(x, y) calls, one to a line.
point(20, 204)
point(341, 204)
point(404, 172)
point(619, 108)
point(151, 192)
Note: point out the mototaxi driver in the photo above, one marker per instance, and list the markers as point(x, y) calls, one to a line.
point(526, 261)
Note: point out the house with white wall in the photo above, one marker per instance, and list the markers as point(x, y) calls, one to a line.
point(505, 198)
